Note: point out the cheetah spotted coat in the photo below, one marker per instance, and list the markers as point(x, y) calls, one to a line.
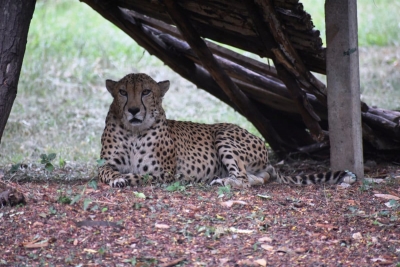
point(139, 145)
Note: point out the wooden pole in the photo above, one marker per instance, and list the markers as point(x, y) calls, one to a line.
point(344, 105)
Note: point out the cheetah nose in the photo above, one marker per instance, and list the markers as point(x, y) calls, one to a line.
point(134, 111)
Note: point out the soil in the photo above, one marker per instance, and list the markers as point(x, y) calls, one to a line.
point(200, 225)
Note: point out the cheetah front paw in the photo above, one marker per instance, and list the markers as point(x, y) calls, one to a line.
point(233, 182)
point(119, 182)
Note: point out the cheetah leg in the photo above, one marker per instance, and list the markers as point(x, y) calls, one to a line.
point(237, 177)
point(114, 178)
point(267, 175)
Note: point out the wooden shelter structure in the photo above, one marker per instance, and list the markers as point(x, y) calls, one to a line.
point(284, 100)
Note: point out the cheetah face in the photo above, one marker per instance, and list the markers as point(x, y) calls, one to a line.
point(137, 100)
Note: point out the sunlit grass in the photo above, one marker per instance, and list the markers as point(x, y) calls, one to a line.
point(378, 21)
point(62, 102)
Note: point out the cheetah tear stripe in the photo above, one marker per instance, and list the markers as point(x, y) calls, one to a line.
point(140, 146)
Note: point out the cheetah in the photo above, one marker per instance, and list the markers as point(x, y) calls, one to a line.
point(140, 145)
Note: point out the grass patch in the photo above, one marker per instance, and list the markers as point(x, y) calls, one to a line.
point(378, 23)
point(62, 101)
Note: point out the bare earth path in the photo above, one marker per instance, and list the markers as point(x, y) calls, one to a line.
point(274, 225)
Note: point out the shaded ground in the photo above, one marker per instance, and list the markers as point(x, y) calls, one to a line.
point(274, 225)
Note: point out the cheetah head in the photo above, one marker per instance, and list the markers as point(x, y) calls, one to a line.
point(137, 100)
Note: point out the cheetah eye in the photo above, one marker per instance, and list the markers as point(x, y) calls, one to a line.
point(146, 92)
point(123, 92)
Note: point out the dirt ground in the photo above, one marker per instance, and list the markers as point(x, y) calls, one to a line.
point(81, 223)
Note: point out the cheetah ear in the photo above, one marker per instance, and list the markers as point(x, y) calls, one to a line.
point(164, 86)
point(110, 86)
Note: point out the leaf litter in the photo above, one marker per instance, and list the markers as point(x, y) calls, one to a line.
point(151, 226)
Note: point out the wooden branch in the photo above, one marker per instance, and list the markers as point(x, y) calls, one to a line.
point(383, 124)
point(310, 118)
point(377, 140)
point(263, 88)
point(283, 68)
point(224, 81)
point(302, 74)
point(249, 63)
point(314, 147)
point(209, 25)
point(391, 115)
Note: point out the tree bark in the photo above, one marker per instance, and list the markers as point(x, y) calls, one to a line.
point(15, 18)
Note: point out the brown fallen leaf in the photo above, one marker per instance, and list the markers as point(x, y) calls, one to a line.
point(230, 203)
point(37, 224)
point(240, 231)
point(223, 261)
point(261, 262)
point(382, 261)
point(267, 247)
point(246, 262)
point(285, 250)
point(161, 226)
point(357, 236)
point(386, 196)
point(327, 226)
point(300, 250)
point(89, 250)
point(265, 239)
point(36, 243)
point(91, 223)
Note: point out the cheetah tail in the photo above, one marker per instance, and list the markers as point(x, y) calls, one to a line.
point(327, 177)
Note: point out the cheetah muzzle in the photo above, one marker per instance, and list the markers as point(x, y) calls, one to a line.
point(139, 145)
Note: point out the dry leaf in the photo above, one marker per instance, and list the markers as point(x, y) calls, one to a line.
point(36, 243)
point(89, 190)
point(223, 261)
point(390, 204)
point(328, 226)
point(230, 203)
point(357, 236)
point(265, 239)
point(161, 226)
point(89, 250)
point(37, 224)
point(300, 250)
point(285, 250)
point(261, 262)
point(387, 196)
point(240, 231)
point(382, 261)
point(264, 196)
point(267, 247)
point(343, 186)
point(246, 262)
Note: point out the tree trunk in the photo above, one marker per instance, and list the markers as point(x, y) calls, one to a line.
point(15, 18)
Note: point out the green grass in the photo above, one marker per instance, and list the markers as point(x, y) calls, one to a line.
point(62, 101)
point(378, 21)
